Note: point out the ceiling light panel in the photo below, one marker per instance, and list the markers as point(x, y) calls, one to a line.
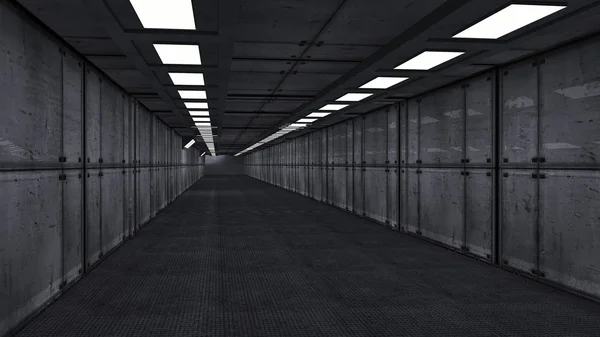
point(353, 97)
point(428, 60)
point(383, 82)
point(192, 94)
point(196, 105)
point(178, 54)
point(187, 78)
point(319, 114)
point(188, 145)
point(333, 107)
point(199, 113)
point(306, 120)
point(201, 119)
point(161, 14)
point(508, 20)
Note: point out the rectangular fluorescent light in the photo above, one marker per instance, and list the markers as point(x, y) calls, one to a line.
point(203, 153)
point(383, 82)
point(178, 54)
point(172, 14)
point(202, 124)
point(353, 97)
point(199, 113)
point(188, 145)
point(201, 119)
point(319, 114)
point(298, 125)
point(196, 105)
point(192, 94)
point(334, 107)
point(508, 20)
point(306, 120)
point(428, 60)
point(187, 78)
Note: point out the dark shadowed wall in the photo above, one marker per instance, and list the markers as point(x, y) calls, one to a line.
point(224, 165)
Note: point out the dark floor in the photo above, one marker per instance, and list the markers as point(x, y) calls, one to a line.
point(238, 257)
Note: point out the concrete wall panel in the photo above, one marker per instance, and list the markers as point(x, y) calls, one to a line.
point(519, 218)
point(315, 182)
point(358, 204)
point(112, 181)
point(145, 195)
point(339, 186)
point(330, 194)
point(93, 216)
point(72, 224)
point(412, 129)
point(339, 143)
point(375, 137)
point(111, 118)
point(411, 208)
point(93, 94)
point(479, 98)
point(442, 126)
point(570, 106)
point(30, 94)
point(30, 242)
point(570, 229)
point(392, 134)
point(478, 212)
point(375, 190)
point(358, 141)
point(392, 198)
point(441, 199)
point(519, 113)
point(72, 109)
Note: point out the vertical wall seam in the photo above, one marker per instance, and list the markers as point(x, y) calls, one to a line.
point(497, 155)
point(62, 182)
point(538, 181)
point(465, 156)
point(100, 178)
point(418, 175)
point(84, 168)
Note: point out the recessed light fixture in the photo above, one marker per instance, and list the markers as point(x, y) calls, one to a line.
point(172, 14)
point(203, 153)
point(353, 97)
point(199, 113)
point(428, 60)
point(196, 105)
point(383, 82)
point(508, 20)
point(201, 119)
point(188, 145)
point(178, 54)
point(202, 124)
point(192, 94)
point(298, 125)
point(333, 107)
point(306, 120)
point(187, 78)
point(319, 114)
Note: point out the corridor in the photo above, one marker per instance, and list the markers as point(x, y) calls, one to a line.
point(234, 256)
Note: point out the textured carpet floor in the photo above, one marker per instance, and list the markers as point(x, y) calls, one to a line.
point(238, 257)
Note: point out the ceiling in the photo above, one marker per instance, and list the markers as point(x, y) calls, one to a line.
point(267, 63)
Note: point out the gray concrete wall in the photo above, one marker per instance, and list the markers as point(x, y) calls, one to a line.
point(224, 165)
point(503, 166)
point(80, 172)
